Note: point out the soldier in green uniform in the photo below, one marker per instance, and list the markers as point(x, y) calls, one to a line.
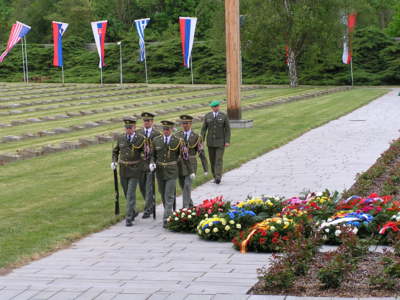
point(128, 153)
point(193, 146)
point(167, 149)
point(147, 181)
point(216, 126)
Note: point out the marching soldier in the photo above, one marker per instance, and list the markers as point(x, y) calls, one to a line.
point(147, 181)
point(167, 149)
point(128, 153)
point(193, 145)
point(216, 125)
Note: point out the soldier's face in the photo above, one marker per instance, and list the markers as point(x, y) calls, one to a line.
point(167, 131)
point(131, 129)
point(215, 108)
point(186, 126)
point(147, 123)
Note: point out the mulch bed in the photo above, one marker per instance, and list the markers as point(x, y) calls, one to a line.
point(355, 284)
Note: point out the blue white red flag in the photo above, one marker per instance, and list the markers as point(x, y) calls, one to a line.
point(187, 26)
point(58, 31)
point(18, 31)
point(140, 26)
point(99, 29)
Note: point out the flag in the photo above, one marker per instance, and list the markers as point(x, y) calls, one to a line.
point(140, 26)
point(18, 31)
point(99, 32)
point(350, 22)
point(187, 27)
point(58, 31)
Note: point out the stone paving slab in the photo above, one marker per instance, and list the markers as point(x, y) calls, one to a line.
point(147, 262)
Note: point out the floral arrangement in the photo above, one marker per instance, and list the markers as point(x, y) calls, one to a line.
point(268, 206)
point(218, 228)
point(187, 219)
point(393, 226)
point(265, 236)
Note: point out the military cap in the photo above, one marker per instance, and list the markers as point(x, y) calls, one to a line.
point(215, 103)
point(167, 124)
point(186, 118)
point(129, 121)
point(147, 116)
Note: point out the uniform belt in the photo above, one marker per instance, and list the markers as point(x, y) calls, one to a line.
point(133, 162)
point(171, 163)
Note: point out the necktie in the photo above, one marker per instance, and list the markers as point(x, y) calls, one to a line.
point(147, 133)
point(166, 140)
point(186, 136)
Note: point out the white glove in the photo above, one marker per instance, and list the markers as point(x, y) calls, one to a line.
point(192, 176)
point(205, 173)
point(114, 166)
point(152, 167)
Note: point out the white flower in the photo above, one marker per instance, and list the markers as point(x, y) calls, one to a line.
point(227, 227)
point(206, 215)
point(238, 226)
point(193, 213)
point(327, 230)
point(169, 219)
point(189, 211)
point(319, 194)
point(207, 230)
point(231, 222)
point(189, 216)
point(211, 224)
point(182, 215)
point(278, 221)
point(324, 237)
point(272, 228)
point(176, 219)
point(355, 230)
point(398, 219)
point(215, 229)
point(329, 220)
point(337, 232)
point(199, 231)
point(215, 216)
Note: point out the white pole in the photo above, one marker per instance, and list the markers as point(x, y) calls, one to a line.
point(101, 75)
point(191, 68)
point(120, 63)
point(145, 62)
point(23, 59)
point(26, 63)
point(351, 72)
point(62, 74)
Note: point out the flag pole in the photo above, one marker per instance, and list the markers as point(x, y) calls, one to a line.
point(145, 62)
point(23, 59)
point(120, 63)
point(101, 76)
point(351, 72)
point(26, 63)
point(62, 74)
point(191, 68)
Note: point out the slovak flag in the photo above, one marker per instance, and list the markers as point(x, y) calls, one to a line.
point(18, 31)
point(58, 31)
point(99, 32)
point(350, 22)
point(187, 27)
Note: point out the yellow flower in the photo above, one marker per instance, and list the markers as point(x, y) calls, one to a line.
point(238, 226)
point(227, 227)
point(231, 222)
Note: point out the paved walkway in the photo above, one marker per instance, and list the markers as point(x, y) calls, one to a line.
point(147, 262)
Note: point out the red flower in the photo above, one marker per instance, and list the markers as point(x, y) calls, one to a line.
point(275, 234)
point(263, 233)
point(285, 238)
point(275, 240)
point(262, 241)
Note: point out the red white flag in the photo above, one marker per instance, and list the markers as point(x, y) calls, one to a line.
point(350, 22)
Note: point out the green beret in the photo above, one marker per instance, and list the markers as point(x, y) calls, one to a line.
point(215, 103)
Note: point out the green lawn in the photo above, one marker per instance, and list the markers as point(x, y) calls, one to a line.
point(49, 201)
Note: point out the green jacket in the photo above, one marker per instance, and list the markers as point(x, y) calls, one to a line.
point(129, 155)
point(147, 151)
point(166, 157)
point(217, 129)
point(193, 146)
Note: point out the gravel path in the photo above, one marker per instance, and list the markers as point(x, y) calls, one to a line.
point(147, 262)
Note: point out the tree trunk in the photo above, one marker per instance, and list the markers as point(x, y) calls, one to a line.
point(292, 68)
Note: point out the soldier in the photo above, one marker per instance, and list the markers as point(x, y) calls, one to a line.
point(167, 149)
point(193, 145)
point(216, 125)
point(128, 152)
point(147, 181)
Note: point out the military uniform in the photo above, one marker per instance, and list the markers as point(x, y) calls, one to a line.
point(147, 181)
point(166, 151)
point(193, 144)
point(217, 128)
point(128, 152)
